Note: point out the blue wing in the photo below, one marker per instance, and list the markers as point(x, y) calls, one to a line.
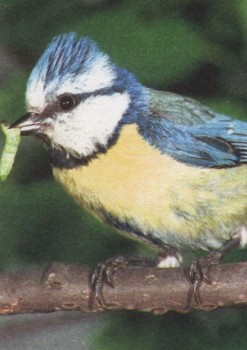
point(177, 108)
point(217, 143)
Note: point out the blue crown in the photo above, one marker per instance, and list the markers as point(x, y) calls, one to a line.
point(66, 56)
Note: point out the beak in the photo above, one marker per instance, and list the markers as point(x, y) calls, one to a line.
point(28, 124)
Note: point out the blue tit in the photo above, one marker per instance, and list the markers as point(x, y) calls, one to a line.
point(160, 167)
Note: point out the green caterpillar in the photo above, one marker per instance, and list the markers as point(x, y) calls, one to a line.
point(9, 150)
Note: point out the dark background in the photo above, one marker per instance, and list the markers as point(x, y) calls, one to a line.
point(195, 48)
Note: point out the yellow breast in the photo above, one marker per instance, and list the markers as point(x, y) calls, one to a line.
point(158, 195)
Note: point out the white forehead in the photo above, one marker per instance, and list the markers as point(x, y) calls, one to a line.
point(100, 74)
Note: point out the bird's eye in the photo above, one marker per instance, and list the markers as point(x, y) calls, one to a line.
point(66, 102)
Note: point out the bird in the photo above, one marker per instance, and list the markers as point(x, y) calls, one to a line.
point(162, 168)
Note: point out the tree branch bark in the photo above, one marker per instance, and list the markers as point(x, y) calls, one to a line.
point(67, 287)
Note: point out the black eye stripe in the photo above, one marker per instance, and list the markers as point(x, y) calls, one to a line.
point(77, 98)
point(101, 92)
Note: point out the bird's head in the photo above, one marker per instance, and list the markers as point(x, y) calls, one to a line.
point(77, 100)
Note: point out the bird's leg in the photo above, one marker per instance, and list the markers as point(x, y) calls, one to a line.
point(104, 273)
point(200, 269)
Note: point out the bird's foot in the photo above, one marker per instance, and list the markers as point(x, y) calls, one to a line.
point(200, 272)
point(200, 269)
point(104, 274)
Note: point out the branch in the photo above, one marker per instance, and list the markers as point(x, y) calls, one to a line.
point(66, 287)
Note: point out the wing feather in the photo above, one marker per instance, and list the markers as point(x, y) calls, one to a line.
point(178, 109)
point(192, 133)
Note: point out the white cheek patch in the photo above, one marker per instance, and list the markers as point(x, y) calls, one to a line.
point(90, 124)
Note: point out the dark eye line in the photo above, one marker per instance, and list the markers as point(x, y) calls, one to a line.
point(84, 96)
point(101, 92)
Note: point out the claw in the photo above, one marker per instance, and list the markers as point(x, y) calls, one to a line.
point(200, 269)
point(199, 272)
point(104, 275)
point(196, 292)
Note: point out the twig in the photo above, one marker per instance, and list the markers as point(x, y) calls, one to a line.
point(66, 287)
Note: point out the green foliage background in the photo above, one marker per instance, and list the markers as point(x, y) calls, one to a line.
point(196, 48)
